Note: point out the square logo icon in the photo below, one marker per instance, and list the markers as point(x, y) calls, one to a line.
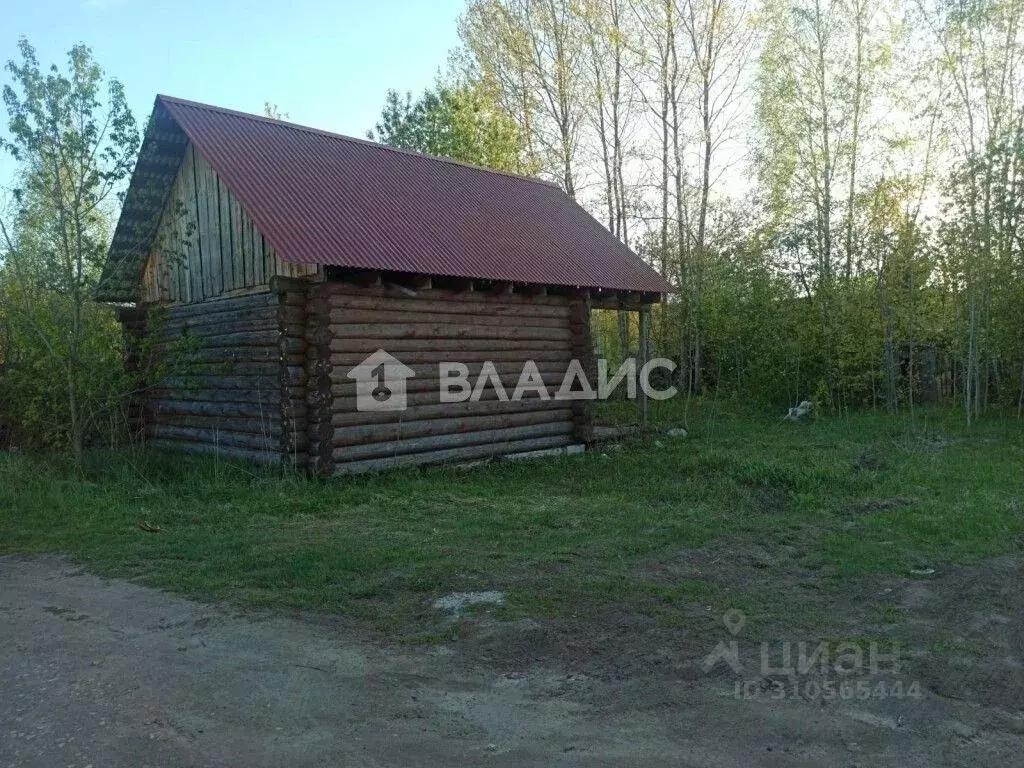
point(381, 383)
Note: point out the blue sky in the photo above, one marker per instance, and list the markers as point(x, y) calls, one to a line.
point(327, 64)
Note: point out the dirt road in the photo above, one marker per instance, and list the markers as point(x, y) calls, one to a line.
point(108, 673)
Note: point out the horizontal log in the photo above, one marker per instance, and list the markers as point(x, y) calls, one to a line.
point(446, 331)
point(203, 367)
point(495, 308)
point(347, 403)
point(263, 338)
point(213, 436)
point(481, 318)
point(228, 452)
point(264, 412)
point(347, 388)
point(369, 345)
point(379, 433)
point(449, 455)
point(271, 428)
point(442, 410)
point(224, 314)
point(419, 357)
point(202, 361)
point(339, 288)
point(229, 304)
point(265, 344)
point(271, 398)
point(340, 374)
point(234, 354)
point(494, 437)
point(218, 329)
point(200, 382)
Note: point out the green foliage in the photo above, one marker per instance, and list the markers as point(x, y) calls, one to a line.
point(462, 123)
point(34, 381)
point(879, 224)
point(74, 144)
point(75, 141)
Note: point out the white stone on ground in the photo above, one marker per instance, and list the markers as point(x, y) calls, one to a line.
point(456, 603)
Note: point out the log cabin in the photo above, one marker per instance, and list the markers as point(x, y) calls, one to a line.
point(288, 256)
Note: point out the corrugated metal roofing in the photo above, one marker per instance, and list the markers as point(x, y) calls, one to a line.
point(321, 198)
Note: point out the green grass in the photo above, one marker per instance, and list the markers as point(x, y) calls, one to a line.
point(840, 499)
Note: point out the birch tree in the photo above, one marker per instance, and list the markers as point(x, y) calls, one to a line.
point(75, 142)
point(534, 48)
point(720, 38)
point(980, 48)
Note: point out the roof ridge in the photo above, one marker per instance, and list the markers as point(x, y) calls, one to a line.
point(352, 139)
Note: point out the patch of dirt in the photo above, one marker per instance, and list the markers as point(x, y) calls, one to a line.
point(968, 622)
point(960, 629)
point(152, 679)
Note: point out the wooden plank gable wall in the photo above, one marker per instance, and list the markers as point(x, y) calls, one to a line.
point(206, 246)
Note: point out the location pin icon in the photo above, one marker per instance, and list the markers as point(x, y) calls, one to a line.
point(734, 619)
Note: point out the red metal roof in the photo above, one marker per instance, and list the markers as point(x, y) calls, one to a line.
point(321, 198)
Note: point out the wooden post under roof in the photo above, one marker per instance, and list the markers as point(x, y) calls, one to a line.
point(644, 356)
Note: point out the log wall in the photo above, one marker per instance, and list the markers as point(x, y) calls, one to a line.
point(227, 378)
point(265, 376)
point(206, 246)
point(348, 322)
